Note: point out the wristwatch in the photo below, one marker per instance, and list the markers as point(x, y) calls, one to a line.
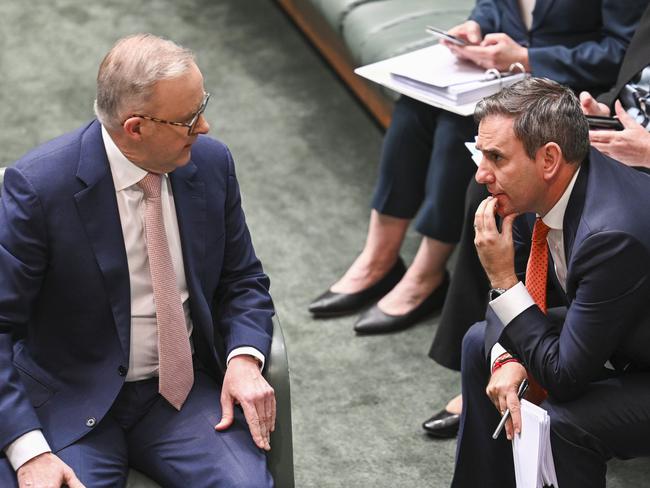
point(496, 293)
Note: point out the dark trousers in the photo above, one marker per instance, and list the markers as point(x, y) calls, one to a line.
point(611, 419)
point(176, 449)
point(468, 291)
point(425, 167)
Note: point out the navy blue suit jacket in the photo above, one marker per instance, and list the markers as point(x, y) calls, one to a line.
point(576, 43)
point(607, 247)
point(64, 282)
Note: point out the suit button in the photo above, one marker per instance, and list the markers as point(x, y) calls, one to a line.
point(121, 370)
point(91, 422)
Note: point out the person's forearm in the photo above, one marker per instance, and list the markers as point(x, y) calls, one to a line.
point(26, 447)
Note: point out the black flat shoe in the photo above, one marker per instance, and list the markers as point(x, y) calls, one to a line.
point(443, 425)
point(331, 304)
point(374, 321)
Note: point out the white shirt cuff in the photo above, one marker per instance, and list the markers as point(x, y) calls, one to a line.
point(246, 351)
point(26, 447)
point(497, 350)
point(511, 303)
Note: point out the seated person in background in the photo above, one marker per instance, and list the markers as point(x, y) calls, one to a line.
point(581, 221)
point(124, 259)
point(632, 90)
point(425, 166)
point(468, 293)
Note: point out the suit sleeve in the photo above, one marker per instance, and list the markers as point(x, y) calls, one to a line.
point(243, 305)
point(521, 241)
point(636, 58)
point(593, 63)
point(486, 14)
point(611, 292)
point(23, 260)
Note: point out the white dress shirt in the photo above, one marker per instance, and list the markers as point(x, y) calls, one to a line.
point(517, 299)
point(526, 7)
point(143, 355)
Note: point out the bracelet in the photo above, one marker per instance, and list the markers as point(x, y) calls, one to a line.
point(505, 358)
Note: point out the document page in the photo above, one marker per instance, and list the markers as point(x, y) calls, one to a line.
point(531, 450)
point(436, 66)
point(434, 76)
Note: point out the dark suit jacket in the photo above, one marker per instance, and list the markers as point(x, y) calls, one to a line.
point(607, 247)
point(636, 59)
point(64, 282)
point(576, 43)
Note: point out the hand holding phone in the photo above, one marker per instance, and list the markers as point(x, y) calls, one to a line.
point(441, 34)
point(599, 122)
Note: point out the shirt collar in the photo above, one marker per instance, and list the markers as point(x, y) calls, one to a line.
point(555, 217)
point(125, 173)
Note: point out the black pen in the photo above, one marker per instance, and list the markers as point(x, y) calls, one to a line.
point(520, 394)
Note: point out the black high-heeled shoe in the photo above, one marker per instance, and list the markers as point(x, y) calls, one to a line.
point(331, 304)
point(443, 425)
point(374, 321)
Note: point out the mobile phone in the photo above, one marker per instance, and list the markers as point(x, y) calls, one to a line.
point(598, 122)
point(447, 37)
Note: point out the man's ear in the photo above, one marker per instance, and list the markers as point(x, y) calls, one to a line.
point(551, 158)
point(133, 128)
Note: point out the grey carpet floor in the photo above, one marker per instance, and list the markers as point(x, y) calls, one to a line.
point(306, 157)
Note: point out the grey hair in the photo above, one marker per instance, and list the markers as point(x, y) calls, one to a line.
point(129, 72)
point(543, 111)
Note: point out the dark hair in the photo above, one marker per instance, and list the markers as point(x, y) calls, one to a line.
point(543, 111)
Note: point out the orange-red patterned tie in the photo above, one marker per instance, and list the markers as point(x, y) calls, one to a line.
point(537, 268)
point(536, 275)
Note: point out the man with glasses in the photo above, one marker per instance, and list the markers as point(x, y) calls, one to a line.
point(191, 125)
point(127, 280)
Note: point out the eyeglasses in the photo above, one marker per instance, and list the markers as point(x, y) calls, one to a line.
point(191, 125)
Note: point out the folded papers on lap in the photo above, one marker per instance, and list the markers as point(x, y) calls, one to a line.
point(433, 75)
point(531, 450)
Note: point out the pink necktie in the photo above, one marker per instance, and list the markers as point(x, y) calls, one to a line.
point(176, 374)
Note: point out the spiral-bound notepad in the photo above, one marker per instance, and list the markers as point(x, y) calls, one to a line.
point(434, 76)
point(531, 450)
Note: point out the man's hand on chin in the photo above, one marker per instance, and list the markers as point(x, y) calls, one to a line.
point(46, 471)
point(245, 385)
point(495, 249)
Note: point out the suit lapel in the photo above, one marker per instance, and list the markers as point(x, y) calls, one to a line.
point(540, 11)
point(636, 57)
point(97, 207)
point(555, 280)
point(190, 203)
point(574, 208)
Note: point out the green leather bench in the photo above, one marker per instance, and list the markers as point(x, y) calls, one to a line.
point(352, 33)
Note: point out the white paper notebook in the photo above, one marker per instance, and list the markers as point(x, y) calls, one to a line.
point(433, 75)
point(531, 450)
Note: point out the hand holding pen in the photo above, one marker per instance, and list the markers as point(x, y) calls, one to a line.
point(523, 387)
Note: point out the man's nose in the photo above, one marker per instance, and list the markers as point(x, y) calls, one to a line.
point(483, 175)
point(202, 126)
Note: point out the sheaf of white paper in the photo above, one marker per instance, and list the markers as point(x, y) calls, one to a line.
point(436, 65)
point(380, 72)
point(531, 450)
